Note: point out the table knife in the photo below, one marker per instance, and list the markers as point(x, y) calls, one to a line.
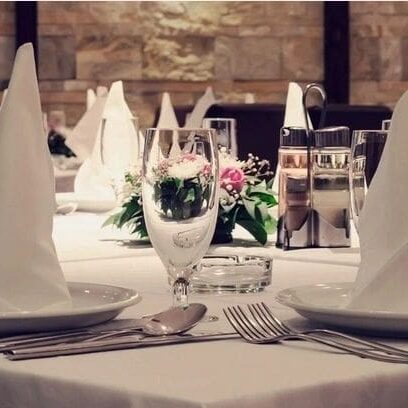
point(122, 343)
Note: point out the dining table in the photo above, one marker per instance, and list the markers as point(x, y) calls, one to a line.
point(227, 373)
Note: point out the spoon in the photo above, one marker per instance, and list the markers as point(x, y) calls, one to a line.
point(175, 320)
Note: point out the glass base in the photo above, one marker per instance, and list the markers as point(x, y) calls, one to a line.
point(232, 274)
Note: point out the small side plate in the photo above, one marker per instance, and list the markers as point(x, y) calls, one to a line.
point(325, 302)
point(91, 304)
point(84, 202)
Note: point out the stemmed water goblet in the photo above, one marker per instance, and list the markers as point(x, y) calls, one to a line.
point(180, 199)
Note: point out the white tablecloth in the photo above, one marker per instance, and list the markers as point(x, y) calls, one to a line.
point(219, 374)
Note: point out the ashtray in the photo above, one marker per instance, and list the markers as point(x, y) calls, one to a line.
point(232, 274)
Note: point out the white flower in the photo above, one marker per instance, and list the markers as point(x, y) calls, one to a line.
point(186, 169)
point(226, 160)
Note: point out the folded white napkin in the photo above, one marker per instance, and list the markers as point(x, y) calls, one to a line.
point(81, 139)
point(90, 98)
point(382, 278)
point(91, 95)
point(294, 116)
point(3, 97)
point(120, 152)
point(167, 117)
point(30, 274)
point(195, 119)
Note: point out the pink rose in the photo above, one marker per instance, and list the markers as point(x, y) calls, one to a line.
point(234, 177)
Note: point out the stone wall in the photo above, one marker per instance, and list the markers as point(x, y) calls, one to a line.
point(7, 40)
point(181, 47)
point(379, 52)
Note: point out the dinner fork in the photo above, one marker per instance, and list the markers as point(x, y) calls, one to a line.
point(265, 316)
point(253, 332)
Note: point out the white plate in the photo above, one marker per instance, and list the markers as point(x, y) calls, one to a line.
point(91, 304)
point(323, 303)
point(84, 202)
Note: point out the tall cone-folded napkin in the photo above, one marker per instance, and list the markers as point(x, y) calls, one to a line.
point(30, 274)
point(294, 116)
point(120, 148)
point(382, 278)
point(82, 138)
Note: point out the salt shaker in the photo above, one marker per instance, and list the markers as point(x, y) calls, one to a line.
point(330, 186)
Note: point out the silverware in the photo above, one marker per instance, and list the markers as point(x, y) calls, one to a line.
point(129, 342)
point(254, 330)
point(263, 312)
point(172, 321)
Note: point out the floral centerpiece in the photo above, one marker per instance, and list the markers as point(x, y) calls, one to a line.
point(181, 186)
point(245, 195)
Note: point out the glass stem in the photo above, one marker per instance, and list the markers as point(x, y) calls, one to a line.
point(180, 292)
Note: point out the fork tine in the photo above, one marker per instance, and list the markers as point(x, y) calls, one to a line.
point(261, 321)
point(270, 319)
point(283, 329)
point(257, 326)
point(250, 334)
point(232, 320)
point(248, 323)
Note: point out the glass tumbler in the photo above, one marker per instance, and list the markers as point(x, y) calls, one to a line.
point(225, 131)
point(366, 151)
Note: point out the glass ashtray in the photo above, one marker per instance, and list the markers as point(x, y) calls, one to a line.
point(232, 274)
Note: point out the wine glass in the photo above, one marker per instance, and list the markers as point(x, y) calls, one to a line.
point(225, 132)
point(120, 148)
point(180, 199)
point(366, 151)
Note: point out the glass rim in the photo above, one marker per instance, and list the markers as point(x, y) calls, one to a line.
point(168, 129)
point(369, 131)
point(219, 119)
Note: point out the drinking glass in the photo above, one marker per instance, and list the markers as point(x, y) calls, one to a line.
point(366, 150)
point(180, 199)
point(225, 132)
point(119, 148)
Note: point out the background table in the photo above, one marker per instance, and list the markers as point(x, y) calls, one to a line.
point(220, 374)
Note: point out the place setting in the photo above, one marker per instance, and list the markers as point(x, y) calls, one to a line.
point(174, 198)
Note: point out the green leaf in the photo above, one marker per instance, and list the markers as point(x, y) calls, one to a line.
point(250, 206)
point(270, 225)
point(190, 197)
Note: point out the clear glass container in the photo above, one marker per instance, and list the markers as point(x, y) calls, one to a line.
point(294, 194)
point(330, 184)
point(232, 274)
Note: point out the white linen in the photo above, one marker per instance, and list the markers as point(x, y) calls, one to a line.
point(167, 117)
point(90, 98)
point(81, 139)
point(195, 119)
point(30, 274)
point(382, 278)
point(3, 97)
point(120, 151)
point(294, 116)
point(101, 243)
point(212, 375)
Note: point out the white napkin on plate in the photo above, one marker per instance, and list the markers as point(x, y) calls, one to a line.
point(30, 274)
point(81, 139)
point(294, 116)
point(94, 180)
point(382, 278)
point(195, 119)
